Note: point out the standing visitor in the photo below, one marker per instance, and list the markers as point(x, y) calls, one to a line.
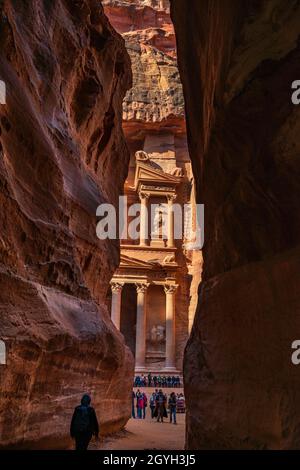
point(152, 404)
point(145, 399)
point(181, 403)
point(137, 381)
point(132, 405)
point(84, 424)
point(160, 410)
point(137, 395)
point(173, 407)
point(139, 404)
point(149, 379)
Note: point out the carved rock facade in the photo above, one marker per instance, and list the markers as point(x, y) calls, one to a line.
point(159, 173)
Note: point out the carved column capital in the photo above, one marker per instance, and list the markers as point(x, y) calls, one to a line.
point(116, 286)
point(141, 287)
point(170, 288)
point(143, 195)
point(171, 197)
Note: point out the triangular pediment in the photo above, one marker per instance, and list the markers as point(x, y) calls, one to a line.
point(147, 174)
point(129, 262)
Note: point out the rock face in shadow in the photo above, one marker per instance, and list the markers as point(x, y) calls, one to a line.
point(237, 63)
point(62, 153)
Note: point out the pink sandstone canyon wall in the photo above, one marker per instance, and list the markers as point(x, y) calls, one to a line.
point(62, 152)
point(237, 62)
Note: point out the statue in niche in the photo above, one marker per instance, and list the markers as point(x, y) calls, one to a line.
point(169, 259)
point(141, 155)
point(157, 334)
point(176, 171)
point(160, 223)
point(156, 340)
point(160, 333)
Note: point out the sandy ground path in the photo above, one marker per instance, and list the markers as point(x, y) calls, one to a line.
point(148, 433)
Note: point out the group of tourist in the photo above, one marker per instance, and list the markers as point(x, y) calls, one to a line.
point(84, 422)
point(157, 381)
point(159, 405)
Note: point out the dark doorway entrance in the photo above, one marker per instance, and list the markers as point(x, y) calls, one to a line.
point(128, 315)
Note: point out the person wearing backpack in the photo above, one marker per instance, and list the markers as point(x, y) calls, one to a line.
point(152, 403)
point(173, 407)
point(84, 424)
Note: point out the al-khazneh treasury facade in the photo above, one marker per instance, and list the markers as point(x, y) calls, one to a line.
point(151, 289)
point(154, 291)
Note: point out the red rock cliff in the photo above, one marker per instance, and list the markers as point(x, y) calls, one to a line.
point(62, 152)
point(237, 62)
point(155, 101)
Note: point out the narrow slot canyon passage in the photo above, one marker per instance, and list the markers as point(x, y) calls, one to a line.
point(154, 104)
point(153, 292)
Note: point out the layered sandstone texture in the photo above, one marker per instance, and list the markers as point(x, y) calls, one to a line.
point(237, 62)
point(62, 153)
point(155, 101)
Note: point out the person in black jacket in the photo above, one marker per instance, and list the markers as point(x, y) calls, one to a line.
point(84, 424)
point(173, 407)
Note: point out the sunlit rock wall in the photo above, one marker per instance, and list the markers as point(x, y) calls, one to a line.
point(62, 153)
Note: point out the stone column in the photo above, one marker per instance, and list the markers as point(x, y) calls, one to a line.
point(140, 342)
point(116, 289)
point(171, 199)
point(144, 219)
point(170, 327)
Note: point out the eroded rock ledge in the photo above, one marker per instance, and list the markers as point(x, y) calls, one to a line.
point(237, 62)
point(62, 152)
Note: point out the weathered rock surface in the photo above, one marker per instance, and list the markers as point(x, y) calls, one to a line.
point(156, 95)
point(62, 152)
point(155, 100)
point(150, 18)
point(237, 63)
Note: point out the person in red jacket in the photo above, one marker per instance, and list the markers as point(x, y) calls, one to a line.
point(139, 404)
